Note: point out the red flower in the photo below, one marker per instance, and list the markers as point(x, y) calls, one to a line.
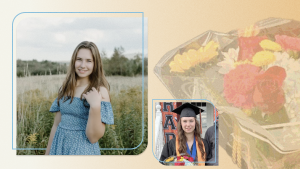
point(245, 87)
point(178, 157)
point(288, 42)
point(268, 94)
point(181, 163)
point(185, 157)
point(249, 46)
point(239, 85)
point(177, 164)
point(191, 159)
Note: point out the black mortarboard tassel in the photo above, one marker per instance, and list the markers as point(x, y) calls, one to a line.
point(187, 110)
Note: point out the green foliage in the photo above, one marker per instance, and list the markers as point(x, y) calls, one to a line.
point(118, 64)
point(33, 116)
point(35, 120)
point(33, 67)
point(128, 130)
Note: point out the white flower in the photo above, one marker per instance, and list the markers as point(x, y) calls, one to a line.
point(291, 84)
point(229, 58)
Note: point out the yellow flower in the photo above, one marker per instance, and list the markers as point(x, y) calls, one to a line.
point(270, 45)
point(175, 67)
point(184, 63)
point(170, 159)
point(176, 57)
point(208, 52)
point(242, 62)
point(200, 56)
point(263, 58)
point(193, 57)
point(32, 138)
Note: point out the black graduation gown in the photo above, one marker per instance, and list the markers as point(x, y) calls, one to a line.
point(169, 149)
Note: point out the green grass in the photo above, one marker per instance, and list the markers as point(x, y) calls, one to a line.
point(127, 131)
point(34, 121)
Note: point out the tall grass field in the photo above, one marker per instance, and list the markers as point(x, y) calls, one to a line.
point(35, 95)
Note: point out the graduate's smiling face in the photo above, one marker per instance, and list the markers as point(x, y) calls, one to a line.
point(188, 124)
point(84, 63)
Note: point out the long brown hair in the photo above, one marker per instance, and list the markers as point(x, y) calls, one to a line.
point(182, 138)
point(96, 78)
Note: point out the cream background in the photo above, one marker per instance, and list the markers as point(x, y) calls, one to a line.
point(170, 23)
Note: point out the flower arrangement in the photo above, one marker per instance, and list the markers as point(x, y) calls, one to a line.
point(255, 69)
point(259, 72)
point(185, 160)
point(253, 74)
point(181, 160)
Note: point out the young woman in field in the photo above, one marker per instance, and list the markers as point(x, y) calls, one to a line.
point(82, 107)
point(188, 139)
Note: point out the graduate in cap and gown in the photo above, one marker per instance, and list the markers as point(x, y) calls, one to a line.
point(188, 139)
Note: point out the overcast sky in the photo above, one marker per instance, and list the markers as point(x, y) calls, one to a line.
point(56, 38)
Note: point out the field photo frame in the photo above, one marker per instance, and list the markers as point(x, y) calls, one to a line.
point(39, 70)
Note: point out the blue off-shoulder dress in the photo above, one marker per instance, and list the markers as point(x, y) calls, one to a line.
point(70, 137)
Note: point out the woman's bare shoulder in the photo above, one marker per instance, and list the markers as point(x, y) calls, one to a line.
point(104, 93)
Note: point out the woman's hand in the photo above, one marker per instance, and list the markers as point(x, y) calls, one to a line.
point(93, 97)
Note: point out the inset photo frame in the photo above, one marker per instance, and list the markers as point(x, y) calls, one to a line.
point(179, 126)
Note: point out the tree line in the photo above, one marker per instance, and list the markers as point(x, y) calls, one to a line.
point(118, 64)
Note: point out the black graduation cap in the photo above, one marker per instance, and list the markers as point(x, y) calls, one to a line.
point(187, 110)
